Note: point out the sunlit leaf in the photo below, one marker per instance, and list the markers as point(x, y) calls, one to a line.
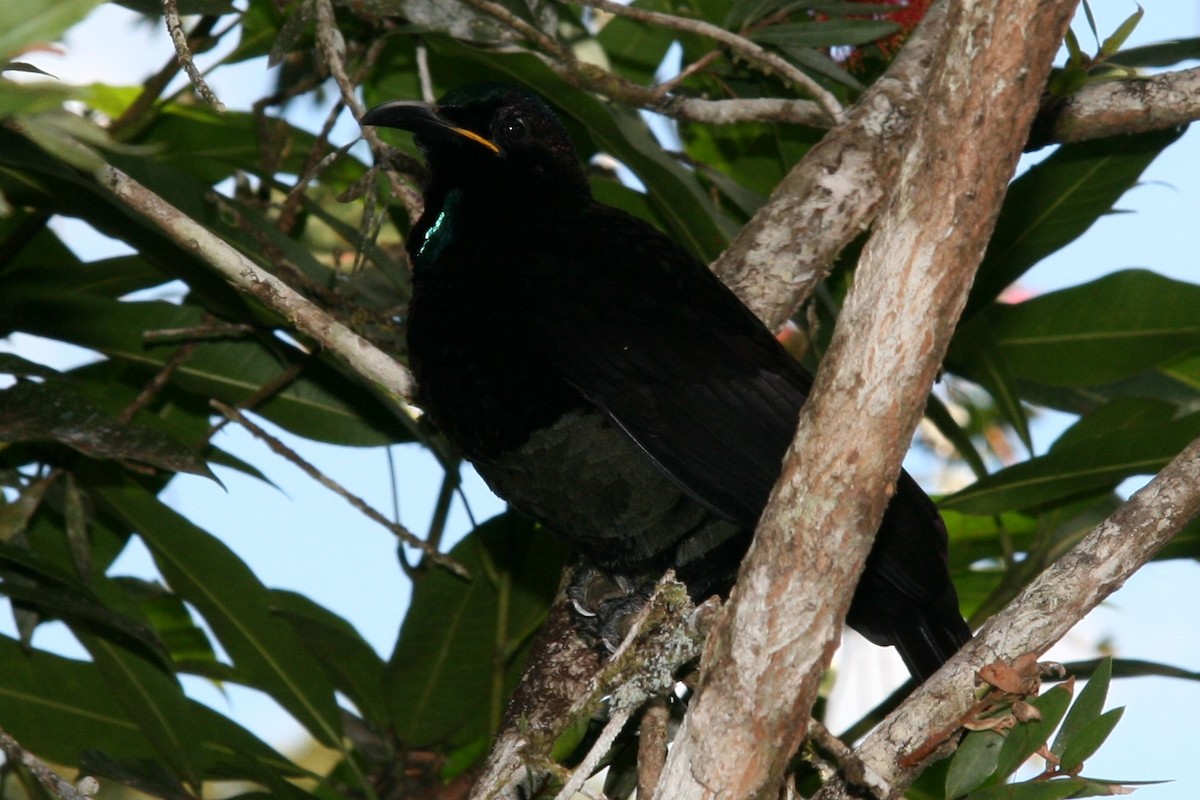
point(1055, 201)
point(1094, 334)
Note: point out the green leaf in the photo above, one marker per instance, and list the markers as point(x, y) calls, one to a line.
point(636, 49)
point(55, 592)
point(1088, 739)
point(1097, 333)
point(829, 33)
point(28, 22)
point(154, 700)
point(1057, 789)
point(1055, 201)
point(817, 62)
point(1113, 43)
point(976, 354)
point(55, 411)
point(205, 572)
point(1026, 737)
point(186, 643)
point(1094, 459)
point(462, 644)
point(1086, 708)
point(1161, 54)
point(59, 708)
point(352, 666)
point(321, 404)
point(974, 762)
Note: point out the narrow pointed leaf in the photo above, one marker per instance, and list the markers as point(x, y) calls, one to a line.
point(973, 762)
point(1092, 465)
point(206, 573)
point(1026, 737)
point(56, 411)
point(462, 641)
point(1054, 202)
point(1086, 741)
point(1096, 333)
point(1086, 708)
point(154, 700)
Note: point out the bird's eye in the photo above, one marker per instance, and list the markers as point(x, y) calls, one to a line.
point(514, 129)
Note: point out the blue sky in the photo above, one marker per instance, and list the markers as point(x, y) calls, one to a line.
point(300, 537)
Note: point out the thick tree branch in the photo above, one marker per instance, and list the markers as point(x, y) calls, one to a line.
point(1121, 106)
point(767, 655)
point(566, 681)
point(1038, 617)
point(832, 195)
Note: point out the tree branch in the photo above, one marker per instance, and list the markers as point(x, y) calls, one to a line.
point(362, 356)
point(1120, 106)
point(769, 651)
point(54, 783)
point(764, 59)
point(832, 195)
point(1040, 616)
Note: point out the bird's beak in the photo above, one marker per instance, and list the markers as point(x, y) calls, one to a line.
point(420, 118)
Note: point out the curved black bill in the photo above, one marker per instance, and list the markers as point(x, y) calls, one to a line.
point(420, 118)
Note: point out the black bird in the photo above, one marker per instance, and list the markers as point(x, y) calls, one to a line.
point(606, 383)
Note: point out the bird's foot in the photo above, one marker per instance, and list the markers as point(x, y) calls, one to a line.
point(606, 604)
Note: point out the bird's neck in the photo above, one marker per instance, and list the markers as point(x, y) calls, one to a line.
point(467, 215)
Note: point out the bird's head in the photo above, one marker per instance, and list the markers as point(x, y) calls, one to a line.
point(491, 135)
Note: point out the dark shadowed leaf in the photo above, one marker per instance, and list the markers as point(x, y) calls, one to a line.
point(55, 411)
point(1161, 54)
point(154, 700)
point(353, 667)
point(461, 642)
point(829, 33)
point(206, 573)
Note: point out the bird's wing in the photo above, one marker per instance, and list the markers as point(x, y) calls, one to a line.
point(652, 338)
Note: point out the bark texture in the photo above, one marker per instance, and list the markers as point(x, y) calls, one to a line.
point(762, 664)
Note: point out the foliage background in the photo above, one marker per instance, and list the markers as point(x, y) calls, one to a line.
point(292, 544)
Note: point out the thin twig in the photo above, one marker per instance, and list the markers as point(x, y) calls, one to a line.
point(740, 45)
point(156, 384)
point(281, 449)
point(540, 38)
point(332, 46)
point(366, 359)
point(616, 723)
point(211, 330)
point(652, 745)
point(60, 786)
point(184, 52)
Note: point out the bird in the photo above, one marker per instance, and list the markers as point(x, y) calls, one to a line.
point(604, 382)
